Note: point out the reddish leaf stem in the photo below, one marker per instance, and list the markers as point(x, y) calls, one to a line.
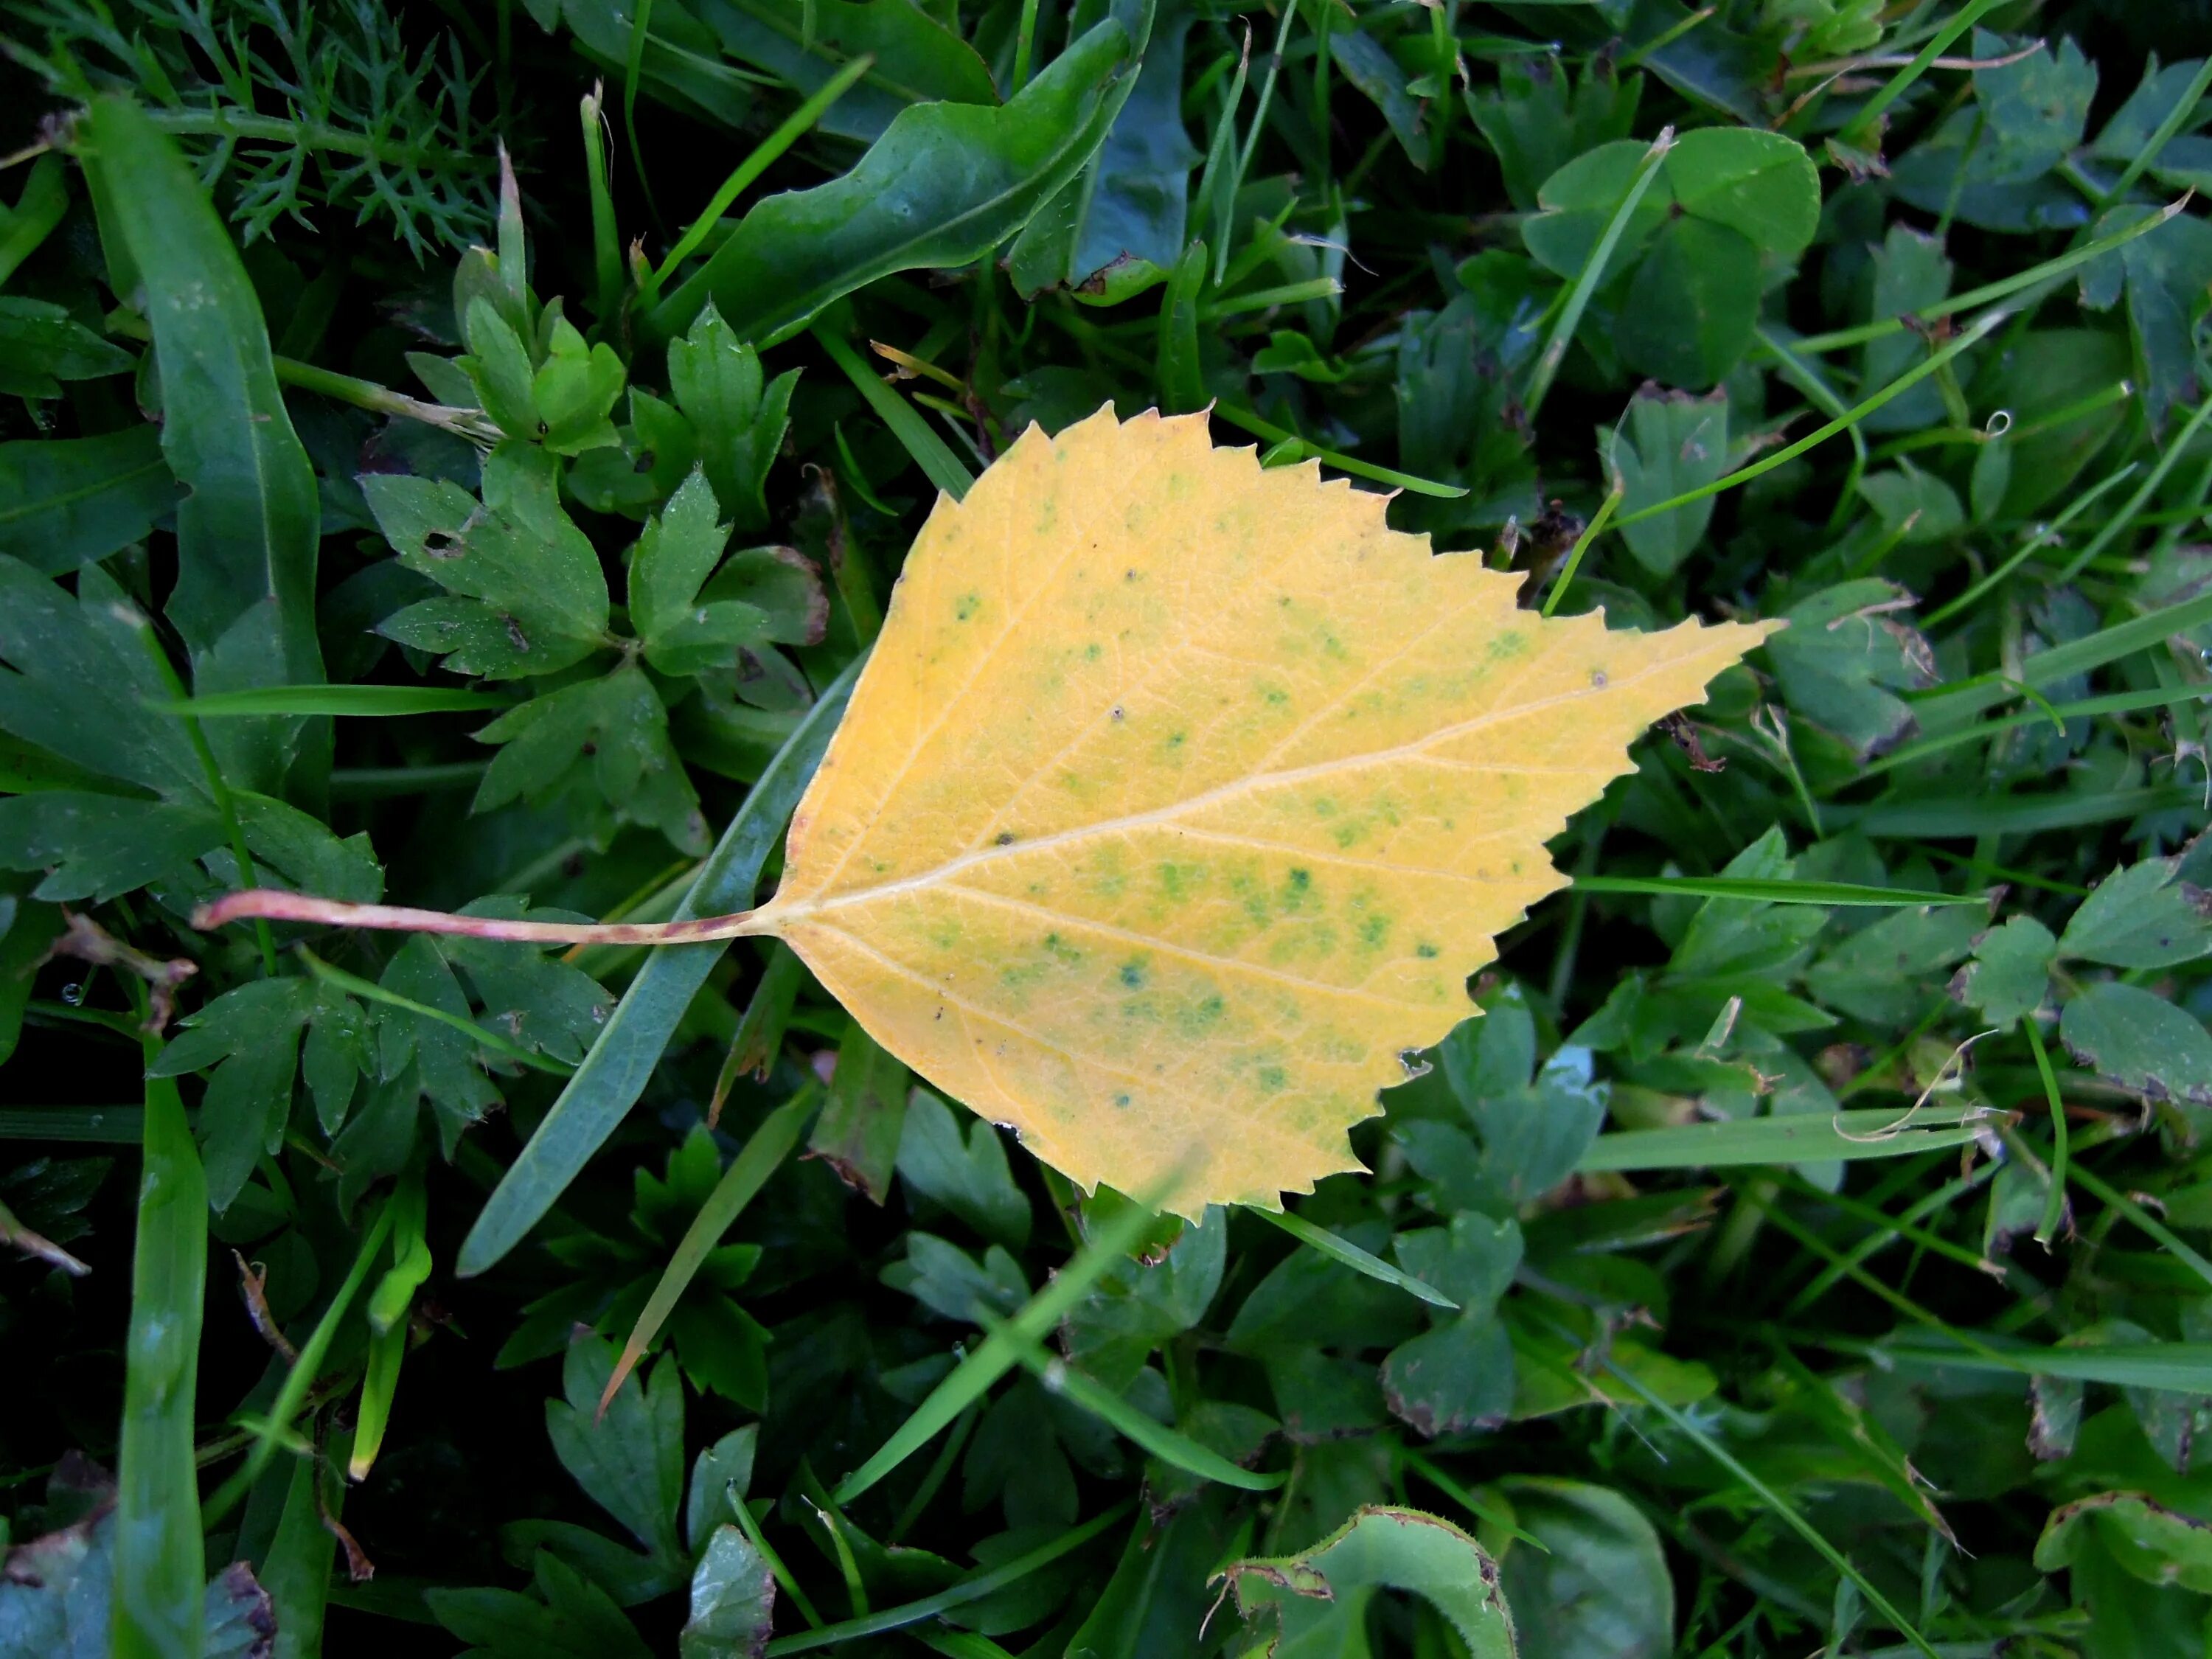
point(274, 905)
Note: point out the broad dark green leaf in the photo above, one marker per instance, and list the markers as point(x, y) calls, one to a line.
point(247, 526)
point(2140, 1042)
point(629, 1461)
point(1884, 974)
point(1991, 165)
point(42, 345)
point(864, 1116)
point(85, 684)
point(159, 1566)
point(1124, 217)
point(2146, 915)
point(65, 501)
point(1315, 1603)
point(1539, 118)
point(737, 416)
point(96, 847)
point(945, 185)
point(733, 1600)
point(1459, 1375)
point(1599, 1585)
point(918, 59)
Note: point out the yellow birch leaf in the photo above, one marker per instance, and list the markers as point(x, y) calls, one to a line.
point(1180, 798)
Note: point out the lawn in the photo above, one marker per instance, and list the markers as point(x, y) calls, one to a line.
point(816, 835)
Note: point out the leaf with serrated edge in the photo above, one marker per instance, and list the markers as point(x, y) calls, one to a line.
point(1180, 798)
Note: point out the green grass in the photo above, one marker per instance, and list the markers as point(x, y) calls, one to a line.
point(1821, 1202)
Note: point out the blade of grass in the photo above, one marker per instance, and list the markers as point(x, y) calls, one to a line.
point(1971, 336)
point(2054, 1206)
point(1169, 1445)
point(761, 1156)
point(931, 453)
point(1024, 48)
point(968, 1590)
point(1776, 1504)
point(112, 1126)
point(751, 1529)
point(2045, 535)
point(764, 155)
point(1942, 708)
point(1949, 818)
point(1806, 380)
point(1755, 890)
point(2119, 702)
point(1849, 1136)
point(372, 700)
point(1226, 231)
point(999, 1351)
point(1593, 272)
point(1245, 420)
point(960, 1644)
point(1260, 299)
point(1338, 1249)
point(622, 1059)
point(940, 1470)
point(226, 803)
point(2177, 1367)
point(1212, 196)
point(2049, 271)
point(2176, 117)
point(38, 208)
point(161, 1575)
point(2124, 520)
point(2090, 1182)
point(1749, 1192)
point(606, 240)
point(1856, 132)
point(1844, 1204)
point(1591, 531)
point(304, 1373)
point(633, 72)
point(1459, 1495)
point(1826, 1279)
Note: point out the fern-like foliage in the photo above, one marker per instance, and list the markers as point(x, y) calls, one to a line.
point(317, 105)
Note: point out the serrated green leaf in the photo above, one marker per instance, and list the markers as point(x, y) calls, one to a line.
point(968, 1175)
point(531, 597)
point(1845, 653)
point(1673, 443)
point(97, 847)
point(2010, 974)
point(738, 418)
point(573, 392)
point(2143, 916)
point(605, 741)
